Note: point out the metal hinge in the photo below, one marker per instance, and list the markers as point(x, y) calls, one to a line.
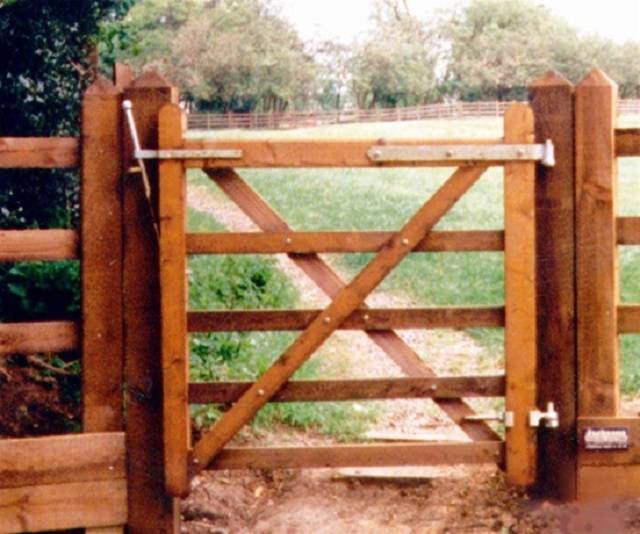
point(544, 153)
point(222, 153)
point(550, 418)
point(506, 418)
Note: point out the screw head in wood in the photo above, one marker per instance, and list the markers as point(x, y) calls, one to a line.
point(449, 153)
point(288, 240)
point(261, 392)
point(365, 317)
point(520, 152)
point(196, 461)
point(405, 241)
point(326, 320)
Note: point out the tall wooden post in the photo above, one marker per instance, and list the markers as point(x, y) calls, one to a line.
point(597, 265)
point(150, 509)
point(552, 100)
point(102, 353)
point(520, 300)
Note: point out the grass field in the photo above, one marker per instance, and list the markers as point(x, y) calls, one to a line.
point(368, 199)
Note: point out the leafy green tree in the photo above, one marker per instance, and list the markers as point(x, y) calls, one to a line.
point(395, 65)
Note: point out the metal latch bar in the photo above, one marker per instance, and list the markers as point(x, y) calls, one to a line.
point(505, 418)
point(223, 153)
point(501, 152)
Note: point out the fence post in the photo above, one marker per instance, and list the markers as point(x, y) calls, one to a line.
point(552, 100)
point(150, 509)
point(520, 300)
point(102, 353)
point(597, 259)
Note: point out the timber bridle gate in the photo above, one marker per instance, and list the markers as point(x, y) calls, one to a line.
point(560, 431)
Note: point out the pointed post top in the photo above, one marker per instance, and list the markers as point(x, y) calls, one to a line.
point(550, 79)
point(151, 79)
point(102, 86)
point(597, 78)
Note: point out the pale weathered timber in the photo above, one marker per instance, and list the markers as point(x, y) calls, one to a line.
point(347, 300)
point(520, 301)
point(173, 304)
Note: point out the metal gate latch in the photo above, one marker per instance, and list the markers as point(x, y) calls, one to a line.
point(506, 418)
point(550, 417)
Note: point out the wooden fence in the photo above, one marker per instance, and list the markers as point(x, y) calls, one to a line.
point(115, 472)
point(305, 119)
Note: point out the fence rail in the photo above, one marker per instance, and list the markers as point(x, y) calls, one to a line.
point(302, 119)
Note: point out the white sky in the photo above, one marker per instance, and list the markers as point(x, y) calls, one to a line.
point(344, 19)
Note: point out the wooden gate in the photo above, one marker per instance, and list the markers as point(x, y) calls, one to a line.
point(347, 310)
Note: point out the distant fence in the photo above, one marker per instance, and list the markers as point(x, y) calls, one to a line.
point(303, 119)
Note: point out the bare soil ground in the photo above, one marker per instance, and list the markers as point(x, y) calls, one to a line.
point(398, 500)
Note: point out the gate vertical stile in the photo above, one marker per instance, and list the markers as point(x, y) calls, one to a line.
point(520, 301)
point(173, 302)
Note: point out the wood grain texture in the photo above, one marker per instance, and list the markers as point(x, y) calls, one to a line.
point(597, 254)
point(149, 508)
point(552, 101)
point(46, 336)
point(520, 301)
point(259, 211)
point(327, 242)
point(359, 455)
point(343, 304)
point(100, 503)
point(101, 233)
point(628, 230)
point(39, 152)
point(629, 319)
point(627, 142)
point(173, 303)
point(369, 319)
point(38, 245)
point(608, 482)
point(375, 388)
point(61, 459)
point(314, 153)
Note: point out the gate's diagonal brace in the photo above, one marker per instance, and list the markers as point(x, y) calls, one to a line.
point(263, 215)
point(340, 308)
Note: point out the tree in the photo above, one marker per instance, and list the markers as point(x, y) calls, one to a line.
point(396, 64)
point(496, 47)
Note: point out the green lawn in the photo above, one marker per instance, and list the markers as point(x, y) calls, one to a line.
point(368, 199)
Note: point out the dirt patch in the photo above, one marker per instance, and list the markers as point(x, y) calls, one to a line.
point(34, 404)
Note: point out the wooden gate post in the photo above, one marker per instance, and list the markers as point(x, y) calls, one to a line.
point(150, 510)
point(552, 100)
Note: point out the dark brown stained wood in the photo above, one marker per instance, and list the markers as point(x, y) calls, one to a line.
point(360, 455)
point(627, 142)
point(629, 319)
point(376, 388)
point(342, 305)
point(149, 509)
point(100, 503)
point(39, 152)
point(61, 459)
point(316, 153)
point(173, 301)
point(520, 336)
point(101, 234)
point(330, 283)
point(628, 229)
point(319, 242)
point(614, 457)
point(597, 254)
point(49, 336)
point(552, 102)
point(23, 245)
point(369, 319)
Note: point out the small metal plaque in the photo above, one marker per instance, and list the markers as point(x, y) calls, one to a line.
point(606, 439)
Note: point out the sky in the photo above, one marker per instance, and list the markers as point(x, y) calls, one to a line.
point(344, 19)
